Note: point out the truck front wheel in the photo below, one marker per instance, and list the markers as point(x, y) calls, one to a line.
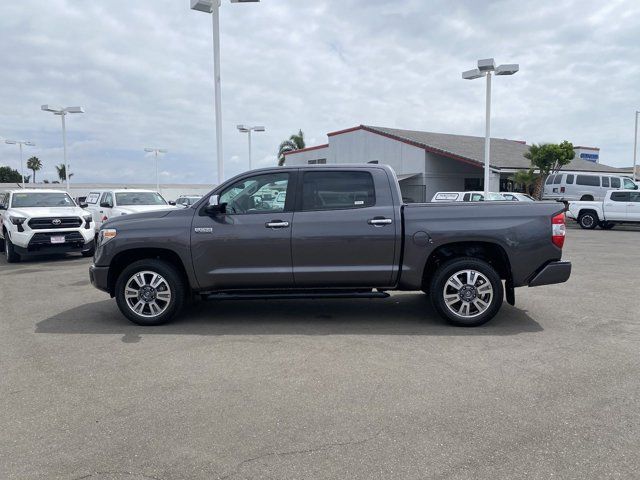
point(467, 292)
point(9, 250)
point(150, 292)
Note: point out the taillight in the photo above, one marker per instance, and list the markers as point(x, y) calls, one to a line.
point(562, 190)
point(104, 218)
point(558, 230)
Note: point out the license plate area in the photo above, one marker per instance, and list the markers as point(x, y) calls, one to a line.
point(57, 239)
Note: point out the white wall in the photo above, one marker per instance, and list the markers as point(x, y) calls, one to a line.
point(302, 158)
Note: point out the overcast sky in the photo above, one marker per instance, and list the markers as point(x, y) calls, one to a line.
point(143, 70)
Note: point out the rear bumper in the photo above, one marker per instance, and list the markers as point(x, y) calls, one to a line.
point(99, 277)
point(553, 272)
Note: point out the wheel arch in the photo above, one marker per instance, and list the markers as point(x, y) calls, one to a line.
point(127, 257)
point(492, 253)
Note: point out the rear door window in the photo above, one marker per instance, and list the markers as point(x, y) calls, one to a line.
point(615, 182)
point(337, 190)
point(550, 179)
point(620, 196)
point(557, 180)
point(590, 180)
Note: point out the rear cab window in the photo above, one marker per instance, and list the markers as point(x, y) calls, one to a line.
point(337, 190)
point(620, 196)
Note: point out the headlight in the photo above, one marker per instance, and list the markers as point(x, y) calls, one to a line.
point(106, 234)
point(17, 220)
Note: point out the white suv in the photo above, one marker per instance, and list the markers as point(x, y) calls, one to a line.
point(105, 204)
point(43, 221)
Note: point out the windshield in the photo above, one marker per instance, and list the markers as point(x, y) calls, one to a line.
point(139, 198)
point(526, 198)
point(37, 199)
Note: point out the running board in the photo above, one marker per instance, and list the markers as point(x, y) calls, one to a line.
point(292, 295)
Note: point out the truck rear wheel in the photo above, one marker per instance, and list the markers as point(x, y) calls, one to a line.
point(150, 292)
point(467, 292)
point(588, 220)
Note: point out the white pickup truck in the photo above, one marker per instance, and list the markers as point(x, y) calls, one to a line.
point(619, 206)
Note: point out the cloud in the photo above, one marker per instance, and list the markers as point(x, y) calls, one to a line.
point(143, 71)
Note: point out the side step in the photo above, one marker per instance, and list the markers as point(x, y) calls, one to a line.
point(275, 295)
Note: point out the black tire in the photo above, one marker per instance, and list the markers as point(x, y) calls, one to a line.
point(175, 285)
point(588, 220)
point(607, 225)
point(476, 317)
point(9, 250)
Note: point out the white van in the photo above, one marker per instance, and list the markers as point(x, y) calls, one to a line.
point(584, 186)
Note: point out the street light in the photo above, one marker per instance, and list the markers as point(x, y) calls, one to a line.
point(213, 7)
point(248, 130)
point(485, 67)
point(20, 143)
point(635, 147)
point(156, 151)
point(63, 113)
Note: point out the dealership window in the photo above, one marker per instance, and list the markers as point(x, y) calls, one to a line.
point(590, 180)
point(337, 190)
point(605, 182)
point(615, 182)
point(569, 180)
point(375, 162)
point(319, 161)
point(471, 184)
point(620, 196)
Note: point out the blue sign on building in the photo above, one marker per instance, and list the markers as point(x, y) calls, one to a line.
point(592, 157)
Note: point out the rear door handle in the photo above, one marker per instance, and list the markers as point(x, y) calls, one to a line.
point(277, 224)
point(379, 221)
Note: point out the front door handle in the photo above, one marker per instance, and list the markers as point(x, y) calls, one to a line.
point(277, 224)
point(379, 221)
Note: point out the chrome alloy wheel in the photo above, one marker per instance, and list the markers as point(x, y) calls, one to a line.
point(147, 294)
point(468, 293)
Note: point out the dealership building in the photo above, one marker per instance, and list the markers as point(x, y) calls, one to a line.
point(427, 162)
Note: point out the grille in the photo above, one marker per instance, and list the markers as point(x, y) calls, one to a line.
point(44, 239)
point(47, 222)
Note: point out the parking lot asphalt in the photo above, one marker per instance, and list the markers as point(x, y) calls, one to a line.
point(330, 389)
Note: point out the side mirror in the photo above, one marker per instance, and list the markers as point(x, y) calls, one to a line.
point(83, 205)
point(215, 207)
point(171, 202)
point(105, 205)
point(2, 207)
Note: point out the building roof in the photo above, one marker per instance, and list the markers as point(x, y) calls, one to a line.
point(505, 154)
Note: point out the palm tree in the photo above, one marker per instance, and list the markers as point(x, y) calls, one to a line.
point(34, 164)
point(62, 172)
point(526, 178)
point(295, 142)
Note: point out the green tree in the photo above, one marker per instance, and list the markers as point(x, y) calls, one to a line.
point(526, 178)
point(9, 175)
point(34, 164)
point(62, 172)
point(295, 142)
point(548, 158)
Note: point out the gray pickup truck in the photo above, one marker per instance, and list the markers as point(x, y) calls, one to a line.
point(328, 231)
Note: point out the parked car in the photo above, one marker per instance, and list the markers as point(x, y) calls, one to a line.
point(106, 204)
point(517, 197)
point(343, 231)
point(584, 186)
point(186, 200)
point(619, 206)
point(466, 197)
point(43, 221)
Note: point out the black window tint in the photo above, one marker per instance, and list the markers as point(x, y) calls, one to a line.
point(337, 190)
point(569, 179)
point(107, 198)
point(615, 182)
point(557, 180)
point(620, 196)
point(550, 179)
point(635, 197)
point(466, 197)
point(605, 182)
point(589, 180)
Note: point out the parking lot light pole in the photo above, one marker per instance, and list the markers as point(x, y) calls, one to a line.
point(635, 148)
point(63, 113)
point(20, 143)
point(156, 151)
point(213, 7)
point(248, 130)
point(485, 68)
